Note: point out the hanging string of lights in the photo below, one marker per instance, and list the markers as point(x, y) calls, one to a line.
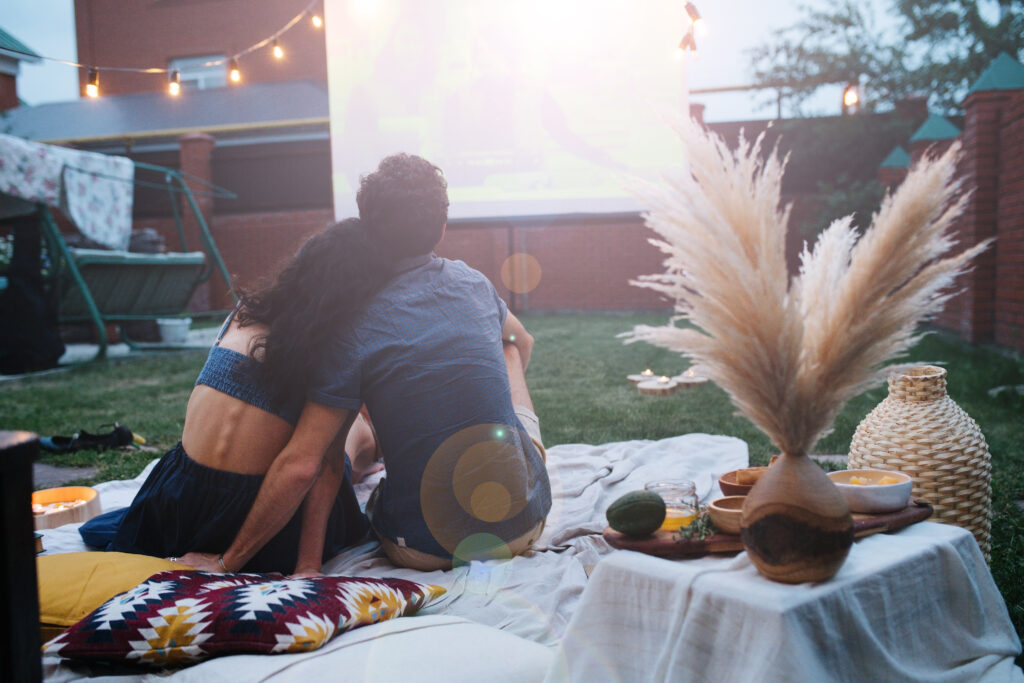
point(694, 23)
point(92, 84)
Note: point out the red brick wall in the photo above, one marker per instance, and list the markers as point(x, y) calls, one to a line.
point(1009, 254)
point(8, 92)
point(140, 33)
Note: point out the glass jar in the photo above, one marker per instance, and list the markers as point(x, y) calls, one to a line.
point(681, 504)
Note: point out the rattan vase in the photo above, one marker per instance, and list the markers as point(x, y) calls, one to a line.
point(920, 431)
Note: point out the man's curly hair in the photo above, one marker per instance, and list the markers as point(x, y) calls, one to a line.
point(404, 204)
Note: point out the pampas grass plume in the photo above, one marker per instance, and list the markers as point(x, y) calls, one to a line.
point(791, 353)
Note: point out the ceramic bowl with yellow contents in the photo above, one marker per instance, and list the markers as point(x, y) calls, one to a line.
point(873, 491)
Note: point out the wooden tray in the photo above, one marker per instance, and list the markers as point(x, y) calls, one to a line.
point(668, 543)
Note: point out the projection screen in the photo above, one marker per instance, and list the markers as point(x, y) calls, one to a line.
point(531, 107)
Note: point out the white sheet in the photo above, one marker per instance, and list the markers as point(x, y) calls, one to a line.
point(917, 605)
point(532, 596)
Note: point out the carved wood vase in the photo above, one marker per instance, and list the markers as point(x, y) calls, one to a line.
point(796, 525)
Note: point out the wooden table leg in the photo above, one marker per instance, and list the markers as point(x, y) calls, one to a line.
point(19, 598)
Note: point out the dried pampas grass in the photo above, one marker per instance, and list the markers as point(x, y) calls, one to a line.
point(790, 354)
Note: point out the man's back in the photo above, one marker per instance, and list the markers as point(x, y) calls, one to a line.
point(426, 358)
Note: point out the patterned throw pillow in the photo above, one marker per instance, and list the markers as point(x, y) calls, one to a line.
point(179, 617)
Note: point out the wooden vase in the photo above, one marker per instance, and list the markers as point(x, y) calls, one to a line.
point(796, 526)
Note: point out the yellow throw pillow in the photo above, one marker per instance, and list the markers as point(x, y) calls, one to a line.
point(71, 585)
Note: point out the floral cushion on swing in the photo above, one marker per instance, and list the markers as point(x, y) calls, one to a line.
point(176, 617)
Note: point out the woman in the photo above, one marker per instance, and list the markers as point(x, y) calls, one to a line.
point(253, 449)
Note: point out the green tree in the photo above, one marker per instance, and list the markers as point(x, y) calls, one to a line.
point(926, 47)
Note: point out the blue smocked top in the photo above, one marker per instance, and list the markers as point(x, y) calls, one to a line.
point(237, 375)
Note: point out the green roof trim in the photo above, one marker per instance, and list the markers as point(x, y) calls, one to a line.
point(935, 127)
point(9, 42)
point(898, 158)
point(1004, 73)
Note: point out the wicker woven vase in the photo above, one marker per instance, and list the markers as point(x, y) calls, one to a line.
point(920, 431)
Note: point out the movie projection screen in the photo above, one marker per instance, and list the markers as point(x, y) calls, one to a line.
point(531, 107)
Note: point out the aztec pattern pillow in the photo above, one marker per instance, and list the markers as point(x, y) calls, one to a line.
point(180, 617)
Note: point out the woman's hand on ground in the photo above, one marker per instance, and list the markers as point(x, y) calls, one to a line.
point(204, 562)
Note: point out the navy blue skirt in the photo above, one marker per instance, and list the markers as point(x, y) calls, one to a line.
point(184, 507)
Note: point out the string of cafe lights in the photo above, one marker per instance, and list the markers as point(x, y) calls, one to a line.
point(92, 84)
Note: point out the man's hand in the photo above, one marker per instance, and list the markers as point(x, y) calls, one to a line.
point(306, 574)
point(204, 562)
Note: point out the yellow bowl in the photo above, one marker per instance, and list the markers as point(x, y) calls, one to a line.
point(71, 515)
point(726, 512)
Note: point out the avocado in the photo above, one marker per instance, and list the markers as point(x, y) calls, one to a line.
point(638, 513)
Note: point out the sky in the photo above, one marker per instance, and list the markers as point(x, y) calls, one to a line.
point(734, 27)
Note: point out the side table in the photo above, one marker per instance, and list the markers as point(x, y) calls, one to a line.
point(19, 600)
point(918, 604)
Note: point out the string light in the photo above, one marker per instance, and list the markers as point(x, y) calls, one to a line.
point(92, 86)
point(688, 43)
point(851, 97)
point(693, 14)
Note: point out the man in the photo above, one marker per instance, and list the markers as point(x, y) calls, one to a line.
point(440, 364)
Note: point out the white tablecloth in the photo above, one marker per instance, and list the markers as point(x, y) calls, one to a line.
point(917, 605)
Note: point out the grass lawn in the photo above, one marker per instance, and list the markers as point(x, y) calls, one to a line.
point(578, 381)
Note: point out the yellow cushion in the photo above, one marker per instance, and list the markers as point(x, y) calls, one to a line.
point(71, 585)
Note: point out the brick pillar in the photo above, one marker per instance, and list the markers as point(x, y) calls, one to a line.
point(8, 91)
point(971, 314)
point(697, 113)
point(195, 158)
point(1009, 252)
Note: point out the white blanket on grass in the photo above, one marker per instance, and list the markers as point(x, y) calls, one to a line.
point(532, 596)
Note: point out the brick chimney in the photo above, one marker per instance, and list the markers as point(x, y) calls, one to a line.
point(12, 53)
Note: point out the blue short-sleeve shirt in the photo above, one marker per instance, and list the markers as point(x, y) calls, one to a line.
point(426, 357)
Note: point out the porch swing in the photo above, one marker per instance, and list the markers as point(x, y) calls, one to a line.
point(104, 285)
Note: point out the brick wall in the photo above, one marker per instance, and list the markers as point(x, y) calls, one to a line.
point(8, 91)
point(1009, 254)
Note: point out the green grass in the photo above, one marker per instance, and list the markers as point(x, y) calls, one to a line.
point(578, 382)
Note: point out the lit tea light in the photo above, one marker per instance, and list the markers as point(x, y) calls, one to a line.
point(641, 377)
point(690, 378)
point(662, 386)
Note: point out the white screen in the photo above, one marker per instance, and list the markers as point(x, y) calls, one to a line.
point(530, 107)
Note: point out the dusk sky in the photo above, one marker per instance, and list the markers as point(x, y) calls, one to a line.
point(734, 26)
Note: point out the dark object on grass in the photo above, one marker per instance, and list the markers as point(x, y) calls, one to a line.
point(29, 340)
point(81, 440)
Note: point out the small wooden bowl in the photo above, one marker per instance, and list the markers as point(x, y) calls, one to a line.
point(726, 512)
point(79, 513)
point(730, 485)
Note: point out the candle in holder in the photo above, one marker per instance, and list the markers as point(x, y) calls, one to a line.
point(690, 378)
point(641, 377)
point(663, 386)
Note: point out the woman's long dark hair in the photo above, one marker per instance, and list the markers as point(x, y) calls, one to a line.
point(327, 282)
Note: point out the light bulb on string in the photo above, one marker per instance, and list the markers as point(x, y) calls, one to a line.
point(318, 22)
point(278, 50)
point(92, 86)
point(233, 73)
point(851, 98)
point(694, 16)
point(174, 87)
point(688, 43)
